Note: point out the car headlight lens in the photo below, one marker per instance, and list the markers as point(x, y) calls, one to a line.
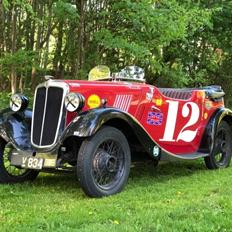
point(74, 102)
point(18, 102)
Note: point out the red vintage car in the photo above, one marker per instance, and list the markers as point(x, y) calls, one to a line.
point(95, 127)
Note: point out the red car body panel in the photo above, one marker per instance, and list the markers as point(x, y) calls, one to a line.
point(175, 123)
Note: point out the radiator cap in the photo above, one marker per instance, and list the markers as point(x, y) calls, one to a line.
point(48, 77)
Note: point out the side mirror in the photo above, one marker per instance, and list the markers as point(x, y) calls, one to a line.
point(133, 73)
point(100, 72)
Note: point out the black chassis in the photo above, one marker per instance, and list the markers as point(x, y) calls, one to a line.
point(16, 129)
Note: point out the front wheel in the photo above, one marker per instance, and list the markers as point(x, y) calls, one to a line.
point(221, 154)
point(12, 174)
point(103, 163)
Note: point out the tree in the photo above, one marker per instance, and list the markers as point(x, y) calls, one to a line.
point(178, 42)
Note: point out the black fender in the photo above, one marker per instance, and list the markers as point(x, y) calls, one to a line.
point(15, 127)
point(207, 142)
point(88, 123)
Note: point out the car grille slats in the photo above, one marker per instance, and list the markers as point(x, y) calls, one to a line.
point(48, 111)
point(38, 114)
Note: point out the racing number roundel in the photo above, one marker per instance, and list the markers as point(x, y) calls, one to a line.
point(185, 134)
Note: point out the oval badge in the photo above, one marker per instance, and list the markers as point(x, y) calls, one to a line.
point(94, 101)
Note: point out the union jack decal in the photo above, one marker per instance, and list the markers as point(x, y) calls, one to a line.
point(154, 119)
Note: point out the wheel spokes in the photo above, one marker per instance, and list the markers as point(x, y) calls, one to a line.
point(12, 170)
point(221, 145)
point(108, 164)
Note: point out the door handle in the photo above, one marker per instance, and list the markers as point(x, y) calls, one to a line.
point(154, 108)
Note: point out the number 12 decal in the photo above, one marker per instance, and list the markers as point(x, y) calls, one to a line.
point(184, 135)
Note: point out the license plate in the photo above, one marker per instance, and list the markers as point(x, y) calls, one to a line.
point(32, 162)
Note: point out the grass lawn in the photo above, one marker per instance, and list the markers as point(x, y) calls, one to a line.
point(180, 196)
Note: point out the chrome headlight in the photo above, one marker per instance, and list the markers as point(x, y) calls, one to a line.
point(74, 102)
point(18, 102)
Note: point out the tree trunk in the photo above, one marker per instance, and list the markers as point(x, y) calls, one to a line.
point(21, 86)
point(58, 53)
point(49, 31)
point(79, 62)
point(13, 81)
point(1, 41)
point(13, 75)
point(1, 29)
point(39, 8)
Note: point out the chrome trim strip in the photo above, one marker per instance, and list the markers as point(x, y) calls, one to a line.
point(47, 84)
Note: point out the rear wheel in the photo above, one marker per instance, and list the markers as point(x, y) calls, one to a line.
point(12, 174)
point(222, 150)
point(103, 163)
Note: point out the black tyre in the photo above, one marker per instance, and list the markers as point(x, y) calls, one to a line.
point(103, 163)
point(11, 174)
point(222, 150)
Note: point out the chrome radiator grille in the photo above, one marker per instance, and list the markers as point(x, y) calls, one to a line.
point(48, 112)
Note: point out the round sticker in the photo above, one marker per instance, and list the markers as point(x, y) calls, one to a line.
point(94, 101)
point(208, 105)
point(158, 101)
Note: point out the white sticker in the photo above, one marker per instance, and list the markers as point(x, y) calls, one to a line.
point(185, 134)
point(123, 102)
point(149, 94)
point(156, 151)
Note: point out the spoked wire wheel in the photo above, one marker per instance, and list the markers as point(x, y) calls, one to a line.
point(108, 164)
point(12, 170)
point(220, 157)
point(221, 146)
point(12, 174)
point(103, 163)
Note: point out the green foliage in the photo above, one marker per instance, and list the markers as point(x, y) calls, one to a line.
point(144, 33)
point(22, 61)
point(6, 4)
point(178, 42)
point(4, 103)
point(64, 11)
